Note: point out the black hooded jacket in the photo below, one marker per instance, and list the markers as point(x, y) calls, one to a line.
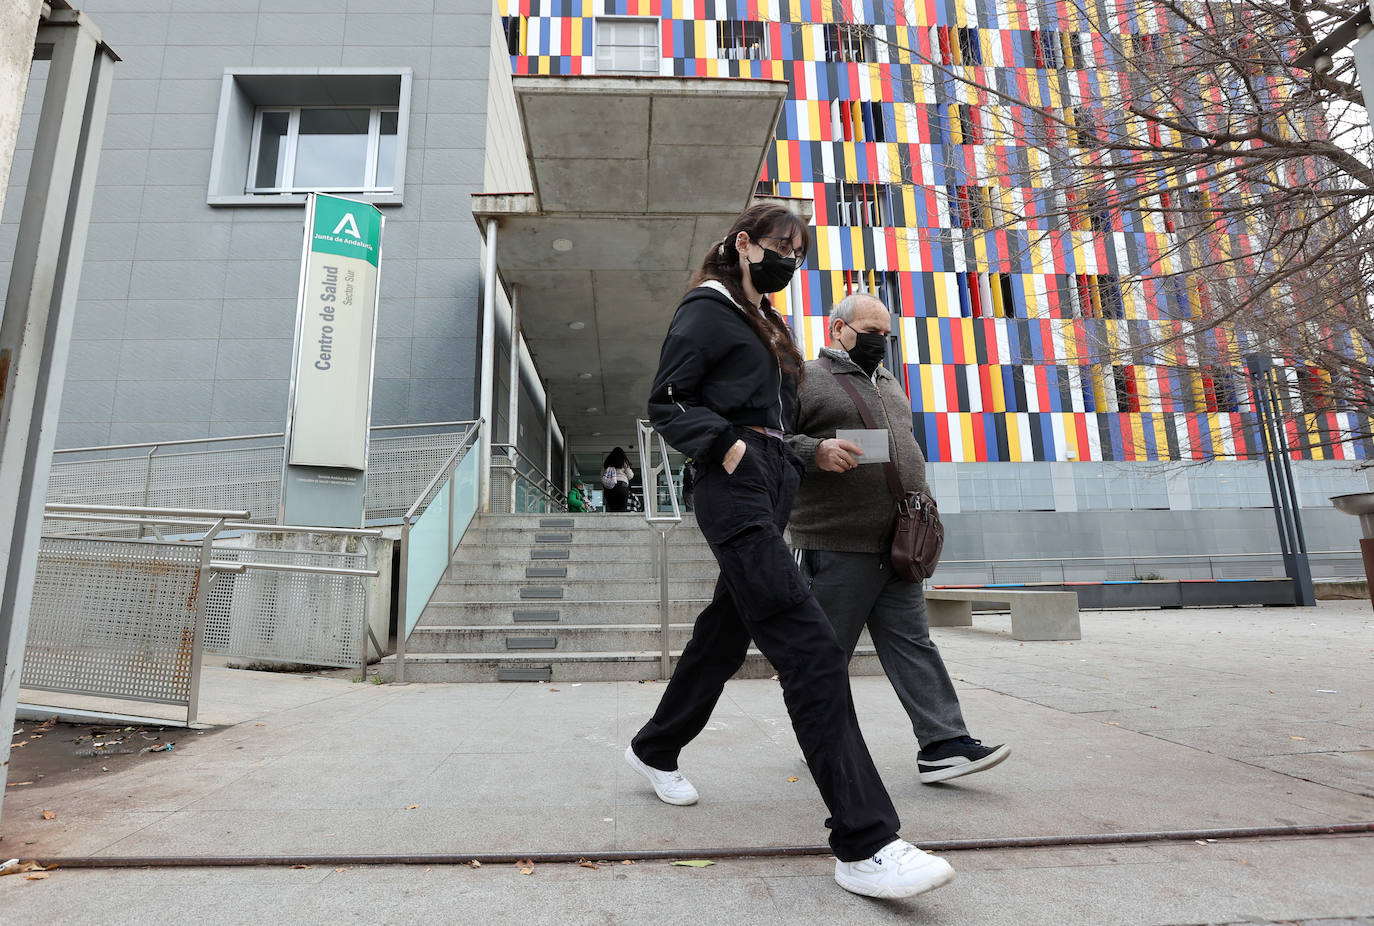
point(715, 373)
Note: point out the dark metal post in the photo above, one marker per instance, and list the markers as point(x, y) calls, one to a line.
point(1278, 467)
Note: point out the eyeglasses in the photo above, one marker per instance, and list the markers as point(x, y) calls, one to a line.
point(784, 248)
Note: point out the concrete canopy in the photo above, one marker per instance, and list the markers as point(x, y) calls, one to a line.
point(634, 178)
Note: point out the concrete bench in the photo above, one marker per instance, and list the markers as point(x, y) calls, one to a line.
point(1035, 615)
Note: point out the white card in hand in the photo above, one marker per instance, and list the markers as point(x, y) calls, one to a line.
point(872, 442)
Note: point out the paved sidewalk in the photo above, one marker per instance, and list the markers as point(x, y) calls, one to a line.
point(1157, 720)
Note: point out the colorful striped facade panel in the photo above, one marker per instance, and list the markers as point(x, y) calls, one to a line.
point(928, 194)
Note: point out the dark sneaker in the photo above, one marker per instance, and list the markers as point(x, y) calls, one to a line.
point(963, 755)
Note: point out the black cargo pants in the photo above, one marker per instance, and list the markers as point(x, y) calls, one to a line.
point(761, 594)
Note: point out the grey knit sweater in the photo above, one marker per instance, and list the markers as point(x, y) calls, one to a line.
point(854, 511)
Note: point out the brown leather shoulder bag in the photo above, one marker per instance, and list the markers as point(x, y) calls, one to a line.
point(918, 536)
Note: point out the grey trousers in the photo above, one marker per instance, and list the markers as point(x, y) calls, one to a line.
point(855, 589)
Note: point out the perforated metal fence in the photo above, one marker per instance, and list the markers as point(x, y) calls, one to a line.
point(242, 472)
point(115, 618)
point(298, 617)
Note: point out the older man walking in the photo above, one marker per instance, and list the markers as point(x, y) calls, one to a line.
point(841, 530)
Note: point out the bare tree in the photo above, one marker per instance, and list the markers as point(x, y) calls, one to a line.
point(1255, 181)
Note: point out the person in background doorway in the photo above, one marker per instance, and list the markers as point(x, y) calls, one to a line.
point(577, 496)
point(615, 479)
point(724, 395)
point(842, 528)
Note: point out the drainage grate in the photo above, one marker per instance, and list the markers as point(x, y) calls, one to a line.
point(541, 591)
point(546, 572)
point(555, 522)
point(548, 554)
point(553, 538)
point(531, 642)
point(531, 674)
point(535, 617)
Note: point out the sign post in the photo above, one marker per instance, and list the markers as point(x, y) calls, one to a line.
point(330, 407)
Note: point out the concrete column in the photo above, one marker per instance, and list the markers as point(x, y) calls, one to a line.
point(36, 328)
point(567, 463)
point(513, 397)
point(548, 433)
point(485, 404)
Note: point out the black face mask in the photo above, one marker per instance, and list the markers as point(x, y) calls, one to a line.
point(773, 273)
point(869, 350)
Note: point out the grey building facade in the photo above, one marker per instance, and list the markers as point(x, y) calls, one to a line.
point(188, 298)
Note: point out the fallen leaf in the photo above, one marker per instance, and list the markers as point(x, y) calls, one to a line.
point(583, 863)
point(339, 870)
point(626, 861)
point(475, 864)
point(37, 876)
point(15, 867)
point(49, 815)
point(553, 689)
point(300, 866)
point(793, 778)
point(15, 784)
point(1297, 738)
point(259, 724)
point(18, 744)
point(1113, 723)
point(695, 863)
point(526, 866)
point(412, 806)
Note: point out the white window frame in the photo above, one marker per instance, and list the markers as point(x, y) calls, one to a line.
point(374, 127)
point(246, 92)
point(599, 21)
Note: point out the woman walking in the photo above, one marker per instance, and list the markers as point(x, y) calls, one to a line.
point(725, 392)
point(615, 479)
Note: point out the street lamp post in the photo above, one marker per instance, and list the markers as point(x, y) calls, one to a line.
point(1279, 468)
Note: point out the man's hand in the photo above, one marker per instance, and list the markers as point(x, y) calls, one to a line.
point(837, 456)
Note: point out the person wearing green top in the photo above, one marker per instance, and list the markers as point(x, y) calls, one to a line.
point(577, 496)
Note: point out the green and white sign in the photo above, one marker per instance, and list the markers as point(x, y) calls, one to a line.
point(336, 326)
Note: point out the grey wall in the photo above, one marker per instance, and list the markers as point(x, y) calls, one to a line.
point(186, 311)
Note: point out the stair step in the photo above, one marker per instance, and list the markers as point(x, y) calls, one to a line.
point(641, 611)
point(455, 591)
point(575, 667)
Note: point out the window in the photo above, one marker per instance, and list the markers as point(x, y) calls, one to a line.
point(970, 50)
point(883, 286)
point(511, 26)
point(334, 149)
point(282, 133)
point(845, 42)
point(971, 207)
point(862, 204)
point(854, 120)
point(738, 39)
point(627, 46)
point(1046, 45)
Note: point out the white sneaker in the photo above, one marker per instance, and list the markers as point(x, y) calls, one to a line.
point(670, 787)
point(898, 869)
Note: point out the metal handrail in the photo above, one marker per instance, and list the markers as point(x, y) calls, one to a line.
point(470, 436)
point(646, 439)
point(183, 442)
point(534, 475)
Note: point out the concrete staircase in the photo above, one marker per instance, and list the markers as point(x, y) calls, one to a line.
point(571, 598)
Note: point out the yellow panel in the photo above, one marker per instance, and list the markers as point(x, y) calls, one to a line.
point(966, 429)
point(937, 353)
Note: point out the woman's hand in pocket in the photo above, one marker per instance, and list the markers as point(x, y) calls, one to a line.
point(733, 456)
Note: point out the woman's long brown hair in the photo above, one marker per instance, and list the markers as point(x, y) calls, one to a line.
point(767, 220)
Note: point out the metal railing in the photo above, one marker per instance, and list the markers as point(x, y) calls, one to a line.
point(658, 520)
point(243, 471)
point(1326, 564)
point(520, 486)
point(123, 619)
point(431, 530)
point(131, 618)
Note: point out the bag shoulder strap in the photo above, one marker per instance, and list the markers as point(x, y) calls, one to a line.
point(894, 482)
